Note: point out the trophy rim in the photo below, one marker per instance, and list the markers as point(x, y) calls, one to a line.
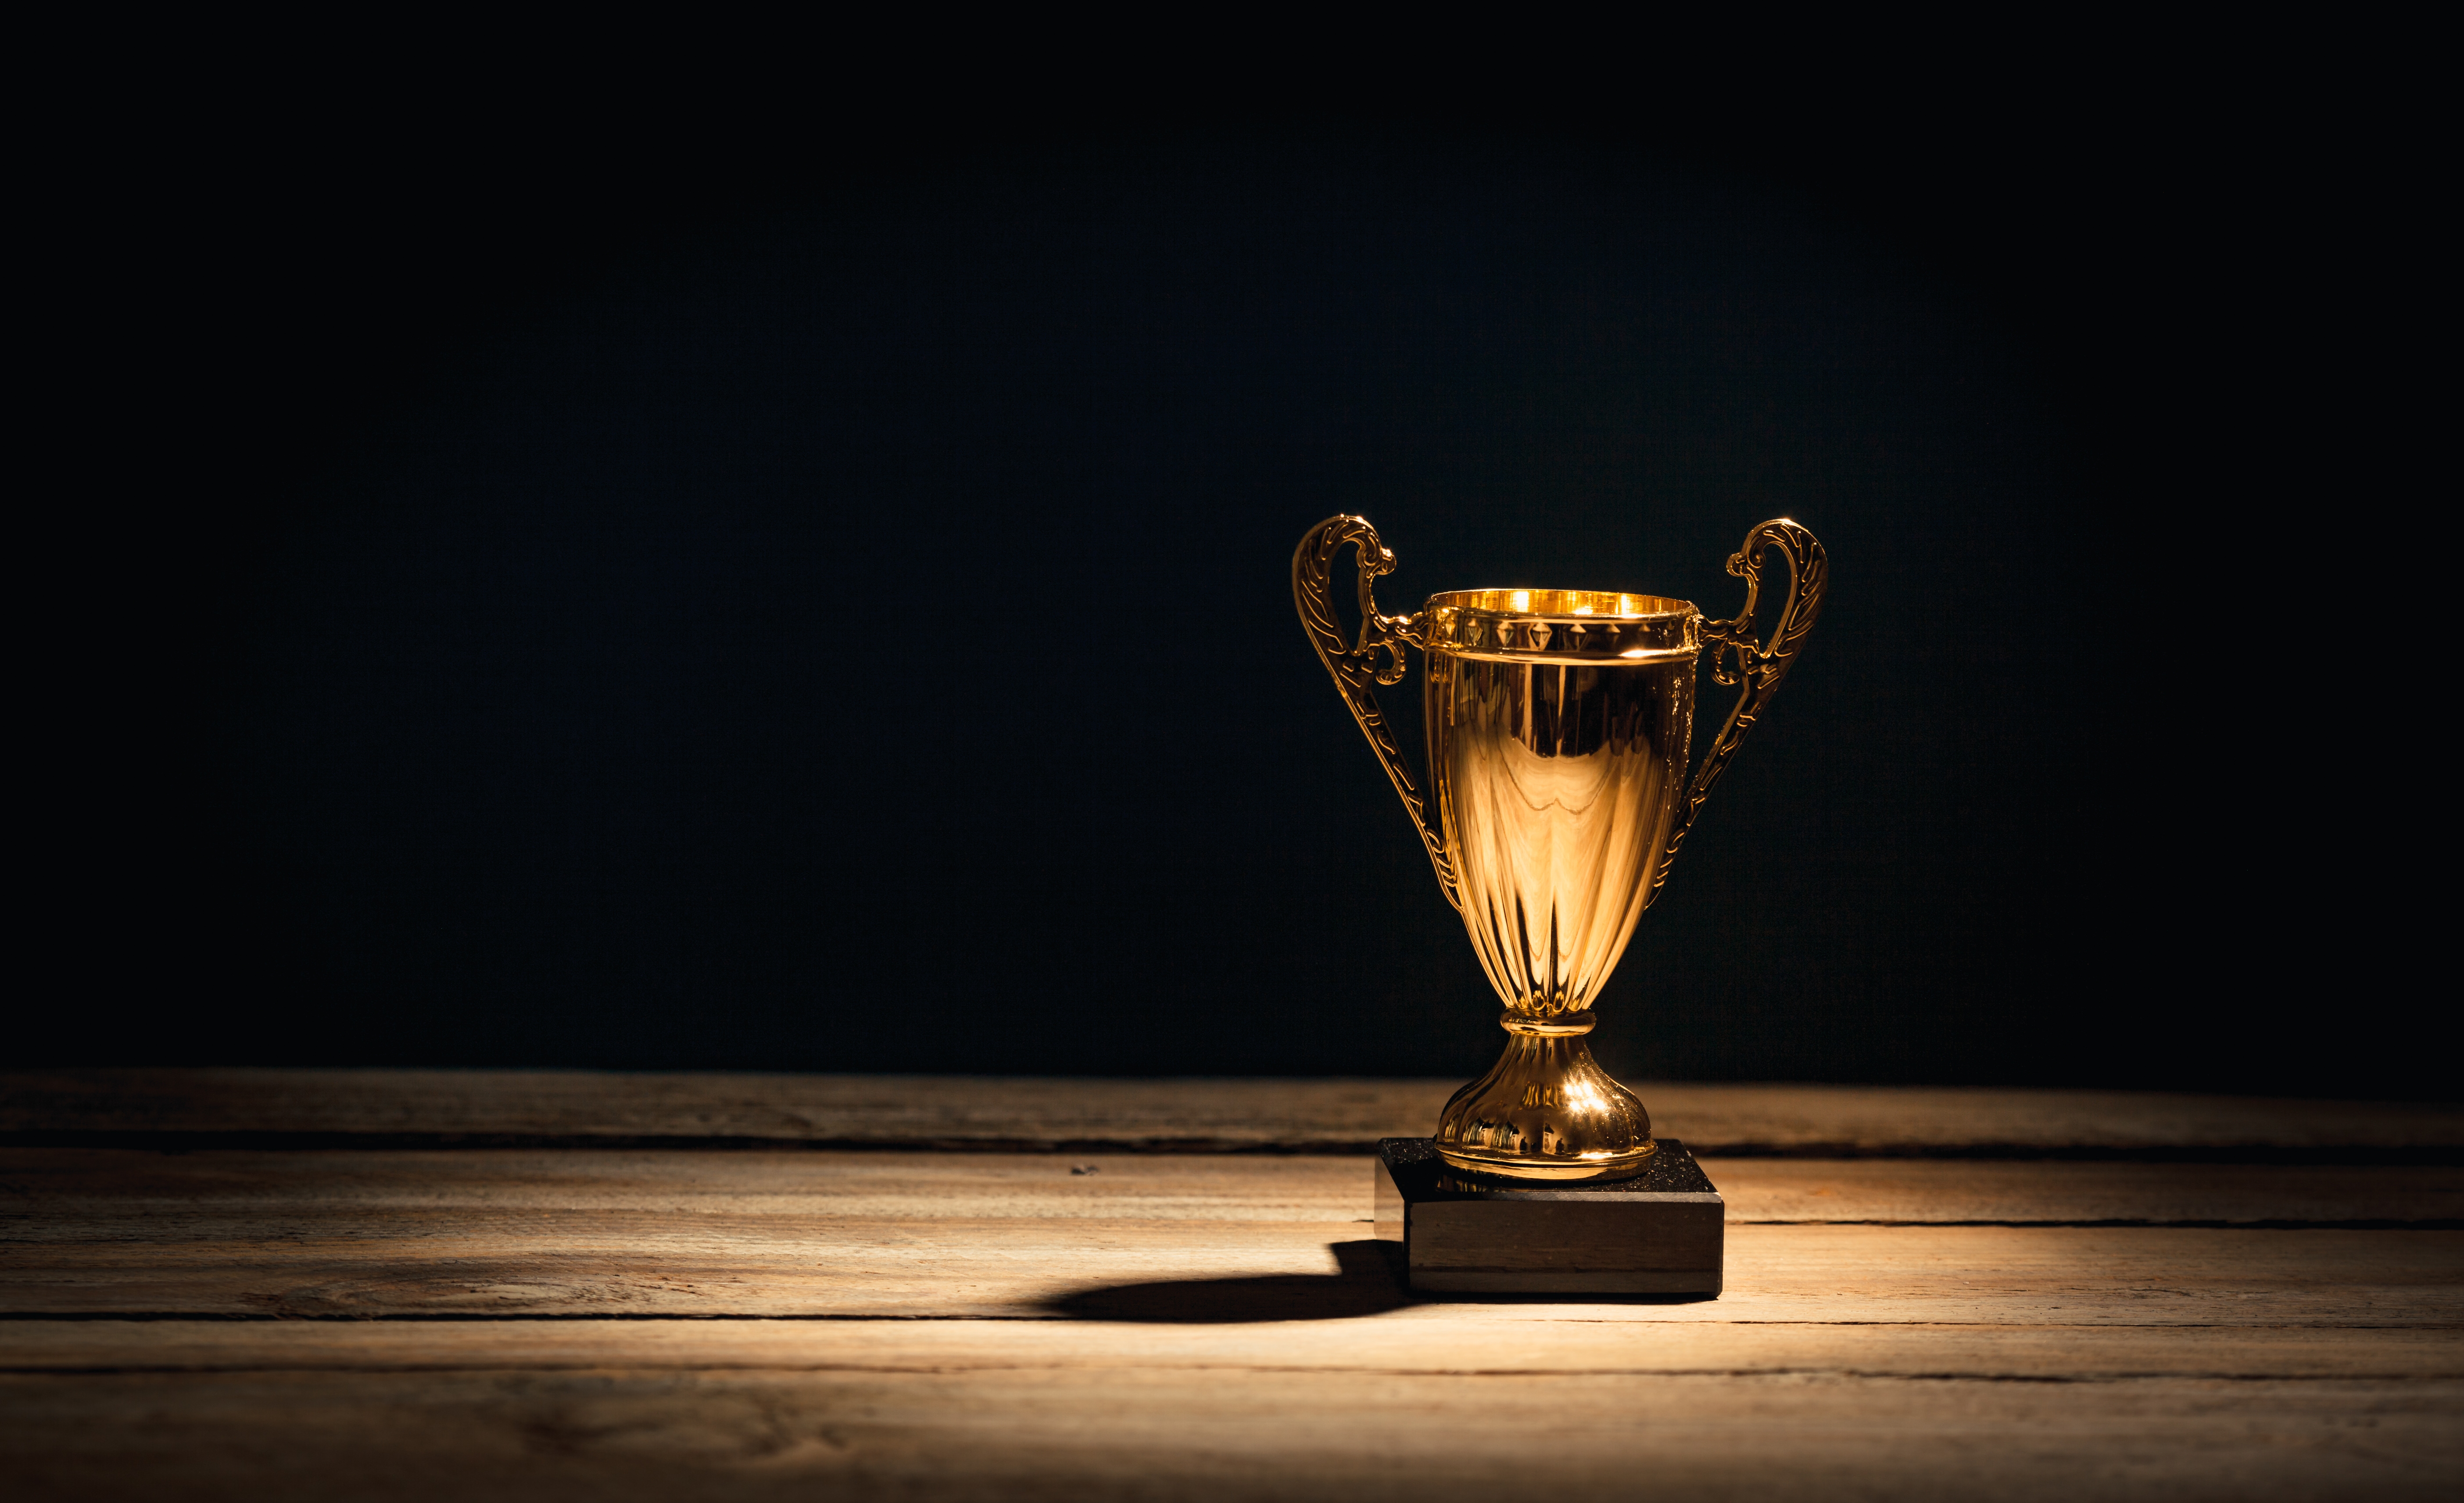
point(1561, 627)
point(1532, 603)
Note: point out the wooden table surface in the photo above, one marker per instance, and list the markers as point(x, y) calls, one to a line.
point(480, 1284)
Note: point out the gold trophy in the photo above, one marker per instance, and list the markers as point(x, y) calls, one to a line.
point(1559, 722)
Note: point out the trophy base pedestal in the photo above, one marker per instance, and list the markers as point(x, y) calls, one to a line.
point(1657, 1233)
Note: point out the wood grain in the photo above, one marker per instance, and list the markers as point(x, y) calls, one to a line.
point(514, 1107)
point(1944, 1192)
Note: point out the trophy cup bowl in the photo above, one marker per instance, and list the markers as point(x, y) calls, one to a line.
point(1560, 723)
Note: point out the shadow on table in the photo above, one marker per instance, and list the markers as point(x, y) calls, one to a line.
point(1371, 1282)
point(1368, 1284)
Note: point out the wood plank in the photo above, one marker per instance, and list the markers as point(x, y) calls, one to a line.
point(1139, 1431)
point(1158, 1239)
point(1162, 1273)
point(1162, 1116)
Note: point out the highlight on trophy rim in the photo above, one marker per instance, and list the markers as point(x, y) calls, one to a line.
point(1558, 725)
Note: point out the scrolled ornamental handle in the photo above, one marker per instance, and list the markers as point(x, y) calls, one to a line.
point(1758, 668)
point(1354, 667)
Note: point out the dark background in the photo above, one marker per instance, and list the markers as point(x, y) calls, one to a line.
point(595, 593)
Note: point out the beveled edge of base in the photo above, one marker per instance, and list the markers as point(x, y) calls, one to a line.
point(1521, 1166)
point(1522, 1281)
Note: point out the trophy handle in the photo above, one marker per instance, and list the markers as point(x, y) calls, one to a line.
point(1355, 667)
point(1759, 669)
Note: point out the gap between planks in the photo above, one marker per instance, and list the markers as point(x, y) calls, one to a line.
point(1459, 1339)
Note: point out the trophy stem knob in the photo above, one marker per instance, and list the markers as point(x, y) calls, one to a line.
point(1564, 1025)
point(1546, 1110)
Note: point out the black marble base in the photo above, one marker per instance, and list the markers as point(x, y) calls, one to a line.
point(1657, 1233)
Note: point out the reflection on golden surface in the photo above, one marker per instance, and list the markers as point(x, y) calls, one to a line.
point(1556, 787)
point(1558, 724)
